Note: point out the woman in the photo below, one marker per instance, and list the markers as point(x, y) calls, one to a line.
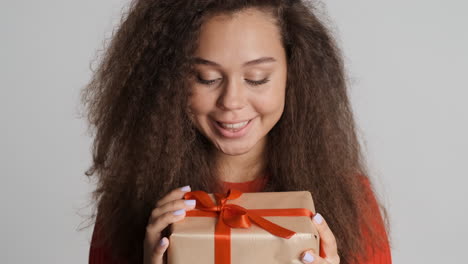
point(225, 93)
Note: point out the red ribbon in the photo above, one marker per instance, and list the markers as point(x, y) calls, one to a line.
point(235, 216)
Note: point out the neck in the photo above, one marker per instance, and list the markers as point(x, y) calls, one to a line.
point(244, 167)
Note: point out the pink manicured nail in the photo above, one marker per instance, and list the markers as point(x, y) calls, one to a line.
point(308, 257)
point(318, 218)
point(190, 202)
point(185, 188)
point(179, 212)
point(162, 242)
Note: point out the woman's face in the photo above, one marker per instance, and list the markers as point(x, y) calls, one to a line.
point(238, 92)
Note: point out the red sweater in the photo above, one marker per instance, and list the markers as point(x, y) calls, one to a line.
point(101, 255)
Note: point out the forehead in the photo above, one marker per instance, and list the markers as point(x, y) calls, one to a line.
point(239, 37)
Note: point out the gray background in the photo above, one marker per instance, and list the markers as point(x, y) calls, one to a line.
point(407, 63)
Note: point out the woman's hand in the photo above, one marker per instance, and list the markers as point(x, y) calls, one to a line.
point(328, 248)
point(171, 208)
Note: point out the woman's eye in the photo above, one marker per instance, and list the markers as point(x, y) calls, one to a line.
point(251, 82)
point(207, 82)
point(260, 82)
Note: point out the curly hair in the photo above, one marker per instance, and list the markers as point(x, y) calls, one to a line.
point(145, 144)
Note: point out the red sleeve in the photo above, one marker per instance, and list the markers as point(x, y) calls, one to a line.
point(99, 254)
point(382, 256)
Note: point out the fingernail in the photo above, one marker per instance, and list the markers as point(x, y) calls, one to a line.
point(162, 242)
point(185, 188)
point(179, 212)
point(318, 218)
point(190, 202)
point(308, 257)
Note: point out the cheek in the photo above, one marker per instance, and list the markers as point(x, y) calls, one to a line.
point(200, 104)
point(271, 104)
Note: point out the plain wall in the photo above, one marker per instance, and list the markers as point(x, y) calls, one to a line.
point(407, 64)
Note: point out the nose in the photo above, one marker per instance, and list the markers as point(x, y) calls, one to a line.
point(233, 96)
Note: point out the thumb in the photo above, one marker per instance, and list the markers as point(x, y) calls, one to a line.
point(307, 257)
point(159, 251)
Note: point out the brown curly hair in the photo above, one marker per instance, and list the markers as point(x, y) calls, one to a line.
point(145, 144)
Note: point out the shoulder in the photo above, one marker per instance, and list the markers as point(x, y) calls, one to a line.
point(99, 252)
point(374, 215)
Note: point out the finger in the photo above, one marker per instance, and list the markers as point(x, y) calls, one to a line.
point(172, 206)
point(173, 195)
point(153, 230)
point(159, 251)
point(309, 256)
point(328, 247)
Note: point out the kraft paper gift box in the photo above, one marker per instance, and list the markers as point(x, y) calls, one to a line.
point(207, 236)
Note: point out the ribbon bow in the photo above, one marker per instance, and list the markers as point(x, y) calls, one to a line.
point(235, 216)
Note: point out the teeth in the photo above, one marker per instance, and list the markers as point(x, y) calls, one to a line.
point(234, 126)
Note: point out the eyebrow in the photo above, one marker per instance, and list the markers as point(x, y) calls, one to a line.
point(198, 60)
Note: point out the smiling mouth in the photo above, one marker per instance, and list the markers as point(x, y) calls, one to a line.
point(233, 127)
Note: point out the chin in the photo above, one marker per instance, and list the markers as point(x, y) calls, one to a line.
point(233, 150)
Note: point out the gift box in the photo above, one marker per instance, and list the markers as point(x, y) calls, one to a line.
point(240, 228)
